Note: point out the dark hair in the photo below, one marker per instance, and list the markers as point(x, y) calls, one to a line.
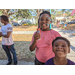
point(57, 38)
point(38, 23)
point(45, 12)
point(5, 18)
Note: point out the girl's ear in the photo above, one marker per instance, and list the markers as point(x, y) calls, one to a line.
point(69, 50)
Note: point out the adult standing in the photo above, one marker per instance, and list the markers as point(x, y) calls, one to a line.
point(7, 42)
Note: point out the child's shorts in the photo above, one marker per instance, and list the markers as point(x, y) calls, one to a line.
point(38, 62)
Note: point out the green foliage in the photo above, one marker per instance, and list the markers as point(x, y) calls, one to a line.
point(23, 13)
point(16, 13)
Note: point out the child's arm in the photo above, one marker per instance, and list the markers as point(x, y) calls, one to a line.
point(33, 45)
point(8, 34)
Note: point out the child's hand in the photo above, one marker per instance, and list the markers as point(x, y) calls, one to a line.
point(36, 36)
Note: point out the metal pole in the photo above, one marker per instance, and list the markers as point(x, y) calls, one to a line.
point(50, 13)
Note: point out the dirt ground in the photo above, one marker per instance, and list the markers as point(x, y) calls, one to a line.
point(68, 27)
point(24, 28)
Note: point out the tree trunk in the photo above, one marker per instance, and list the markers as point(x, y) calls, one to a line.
point(39, 11)
point(4, 12)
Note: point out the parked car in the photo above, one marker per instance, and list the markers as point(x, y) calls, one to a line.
point(71, 22)
point(15, 24)
point(61, 22)
point(24, 24)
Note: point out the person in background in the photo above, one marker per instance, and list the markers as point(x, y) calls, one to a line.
point(42, 41)
point(61, 46)
point(58, 23)
point(7, 42)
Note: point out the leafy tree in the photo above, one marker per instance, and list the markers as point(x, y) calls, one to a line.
point(16, 13)
point(23, 13)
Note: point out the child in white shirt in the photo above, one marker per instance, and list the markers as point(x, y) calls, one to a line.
point(7, 42)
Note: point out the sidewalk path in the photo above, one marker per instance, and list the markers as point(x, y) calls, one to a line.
point(4, 62)
point(65, 33)
point(23, 32)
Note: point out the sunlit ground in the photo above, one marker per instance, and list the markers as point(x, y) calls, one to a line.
point(25, 28)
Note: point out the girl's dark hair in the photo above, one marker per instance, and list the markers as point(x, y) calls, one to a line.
point(5, 18)
point(45, 12)
point(57, 38)
point(38, 23)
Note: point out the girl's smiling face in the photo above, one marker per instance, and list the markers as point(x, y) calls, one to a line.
point(60, 48)
point(44, 22)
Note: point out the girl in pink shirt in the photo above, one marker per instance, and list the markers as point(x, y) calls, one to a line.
point(43, 41)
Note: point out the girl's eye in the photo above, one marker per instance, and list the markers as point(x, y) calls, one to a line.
point(47, 19)
point(63, 45)
point(41, 19)
point(56, 45)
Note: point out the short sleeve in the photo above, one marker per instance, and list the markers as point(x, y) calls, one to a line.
point(57, 34)
point(9, 28)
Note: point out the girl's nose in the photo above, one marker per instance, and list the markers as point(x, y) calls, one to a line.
point(43, 21)
point(59, 47)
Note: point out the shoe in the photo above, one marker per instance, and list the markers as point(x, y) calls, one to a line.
point(8, 63)
point(15, 63)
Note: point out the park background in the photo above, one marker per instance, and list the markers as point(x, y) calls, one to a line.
point(24, 20)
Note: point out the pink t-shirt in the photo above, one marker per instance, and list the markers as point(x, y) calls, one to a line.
point(44, 45)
